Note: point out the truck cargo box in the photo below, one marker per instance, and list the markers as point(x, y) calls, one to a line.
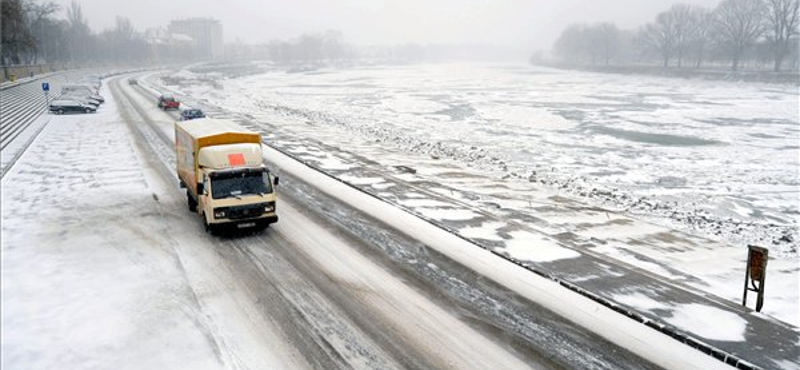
point(193, 135)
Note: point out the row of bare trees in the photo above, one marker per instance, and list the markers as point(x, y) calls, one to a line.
point(736, 30)
point(308, 48)
point(33, 33)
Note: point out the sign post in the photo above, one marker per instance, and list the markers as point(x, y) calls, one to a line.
point(756, 274)
point(46, 89)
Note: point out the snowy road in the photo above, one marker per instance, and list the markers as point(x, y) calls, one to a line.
point(388, 323)
point(104, 267)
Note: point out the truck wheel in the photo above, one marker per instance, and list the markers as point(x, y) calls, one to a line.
point(60, 111)
point(191, 202)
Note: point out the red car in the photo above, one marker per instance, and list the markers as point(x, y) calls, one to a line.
point(167, 101)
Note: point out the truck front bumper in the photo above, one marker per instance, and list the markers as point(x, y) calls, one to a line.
point(257, 223)
point(233, 226)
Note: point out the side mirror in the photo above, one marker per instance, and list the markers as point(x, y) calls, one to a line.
point(276, 180)
point(200, 188)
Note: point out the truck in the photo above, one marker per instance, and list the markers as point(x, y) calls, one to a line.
point(220, 165)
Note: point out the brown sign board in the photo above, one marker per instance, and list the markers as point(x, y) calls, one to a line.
point(756, 274)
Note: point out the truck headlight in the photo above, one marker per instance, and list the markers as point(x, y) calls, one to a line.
point(269, 208)
point(219, 214)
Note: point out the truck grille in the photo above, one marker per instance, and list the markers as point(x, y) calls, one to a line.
point(240, 212)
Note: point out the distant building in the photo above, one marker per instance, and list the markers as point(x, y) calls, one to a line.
point(165, 46)
point(206, 33)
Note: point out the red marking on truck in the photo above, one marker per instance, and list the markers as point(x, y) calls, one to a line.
point(236, 159)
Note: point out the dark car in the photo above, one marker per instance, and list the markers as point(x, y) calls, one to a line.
point(168, 101)
point(97, 97)
point(95, 81)
point(132, 82)
point(67, 106)
point(85, 99)
point(189, 114)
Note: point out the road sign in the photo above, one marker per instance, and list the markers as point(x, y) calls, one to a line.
point(45, 86)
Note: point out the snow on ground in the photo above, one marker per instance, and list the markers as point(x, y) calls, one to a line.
point(95, 273)
point(662, 350)
point(705, 321)
point(545, 250)
point(8, 98)
point(59, 310)
point(540, 146)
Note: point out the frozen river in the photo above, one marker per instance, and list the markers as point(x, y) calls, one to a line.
point(711, 157)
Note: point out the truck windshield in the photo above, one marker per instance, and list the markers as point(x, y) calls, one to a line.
point(234, 184)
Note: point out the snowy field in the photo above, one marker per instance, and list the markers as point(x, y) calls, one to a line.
point(713, 159)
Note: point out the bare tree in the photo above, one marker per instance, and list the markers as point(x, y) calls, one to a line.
point(79, 34)
point(580, 43)
point(54, 45)
point(310, 48)
point(40, 21)
point(687, 21)
point(782, 21)
point(702, 33)
point(660, 36)
point(124, 29)
point(124, 39)
point(609, 37)
point(593, 43)
point(571, 45)
point(15, 36)
point(333, 45)
point(627, 52)
point(737, 25)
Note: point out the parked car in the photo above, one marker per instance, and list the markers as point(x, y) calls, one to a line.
point(188, 114)
point(67, 106)
point(79, 88)
point(132, 81)
point(97, 97)
point(84, 95)
point(94, 81)
point(167, 101)
point(85, 99)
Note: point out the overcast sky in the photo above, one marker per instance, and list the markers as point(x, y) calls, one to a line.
point(526, 24)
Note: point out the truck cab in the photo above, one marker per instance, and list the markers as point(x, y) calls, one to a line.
point(236, 189)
